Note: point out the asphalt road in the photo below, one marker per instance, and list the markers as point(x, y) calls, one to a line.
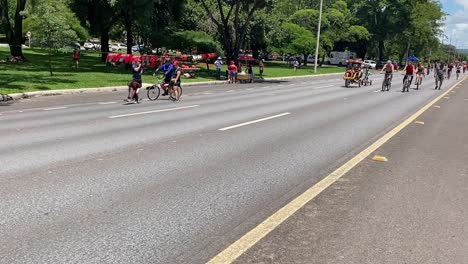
point(411, 209)
point(86, 179)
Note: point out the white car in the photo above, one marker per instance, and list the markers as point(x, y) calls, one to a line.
point(370, 64)
point(117, 47)
point(89, 46)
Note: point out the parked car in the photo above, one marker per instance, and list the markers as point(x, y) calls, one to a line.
point(89, 46)
point(117, 47)
point(138, 48)
point(370, 64)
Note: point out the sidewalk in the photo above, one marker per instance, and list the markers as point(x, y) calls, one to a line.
point(18, 96)
point(411, 209)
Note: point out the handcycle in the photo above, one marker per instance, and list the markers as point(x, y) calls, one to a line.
point(154, 91)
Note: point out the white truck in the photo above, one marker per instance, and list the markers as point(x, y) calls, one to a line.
point(339, 57)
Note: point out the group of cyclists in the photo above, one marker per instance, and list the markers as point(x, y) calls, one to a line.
point(171, 81)
point(441, 71)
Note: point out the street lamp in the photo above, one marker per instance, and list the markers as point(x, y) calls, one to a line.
point(318, 37)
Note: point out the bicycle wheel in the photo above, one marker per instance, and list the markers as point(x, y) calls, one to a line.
point(153, 92)
point(172, 94)
point(384, 84)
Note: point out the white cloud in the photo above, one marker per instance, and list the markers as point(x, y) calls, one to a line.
point(456, 26)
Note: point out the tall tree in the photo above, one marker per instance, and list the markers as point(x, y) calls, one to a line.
point(53, 24)
point(13, 31)
point(232, 18)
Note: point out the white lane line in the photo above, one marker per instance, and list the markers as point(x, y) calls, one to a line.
point(254, 121)
point(208, 93)
point(54, 108)
point(107, 103)
point(155, 111)
point(230, 91)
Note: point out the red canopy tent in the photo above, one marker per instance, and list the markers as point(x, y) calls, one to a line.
point(246, 58)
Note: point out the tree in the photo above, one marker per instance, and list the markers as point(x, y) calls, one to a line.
point(232, 18)
point(293, 39)
point(13, 31)
point(54, 25)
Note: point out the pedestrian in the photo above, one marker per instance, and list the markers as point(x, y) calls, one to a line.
point(251, 72)
point(76, 57)
point(439, 73)
point(261, 67)
point(232, 68)
point(295, 65)
point(135, 85)
point(218, 63)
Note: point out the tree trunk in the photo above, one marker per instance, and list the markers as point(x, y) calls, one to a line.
point(14, 34)
point(381, 51)
point(104, 44)
point(128, 26)
point(50, 61)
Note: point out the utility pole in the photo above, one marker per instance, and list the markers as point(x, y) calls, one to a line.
point(318, 37)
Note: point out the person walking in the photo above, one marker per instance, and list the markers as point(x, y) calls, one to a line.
point(136, 83)
point(76, 57)
point(295, 65)
point(260, 68)
point(219, 64)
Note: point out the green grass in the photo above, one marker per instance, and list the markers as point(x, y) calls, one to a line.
point(33, 75)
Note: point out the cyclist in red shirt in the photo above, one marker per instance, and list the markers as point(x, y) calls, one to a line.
point(409, 73)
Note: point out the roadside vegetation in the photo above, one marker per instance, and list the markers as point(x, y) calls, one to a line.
point(33, 74)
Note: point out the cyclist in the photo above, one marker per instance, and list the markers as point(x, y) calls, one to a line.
point(135, 85)
point(168, 69)
point(439, 72)
point(388, 69)
point(408, 71)
point(175, 81)
point(420, 73)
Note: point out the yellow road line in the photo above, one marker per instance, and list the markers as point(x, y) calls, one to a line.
point(231, 253)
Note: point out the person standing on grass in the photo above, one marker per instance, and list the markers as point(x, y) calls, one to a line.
point(218, 63)
point(260, 68)
point(296, 65)
point(76, 57)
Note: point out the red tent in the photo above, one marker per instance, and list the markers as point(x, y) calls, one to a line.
point(246, 58)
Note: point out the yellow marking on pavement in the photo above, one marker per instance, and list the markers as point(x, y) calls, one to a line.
point(380, 158)
point(436, 106)
point(419, 122)
point(232, 252)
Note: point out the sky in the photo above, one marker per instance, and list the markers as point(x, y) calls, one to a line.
point(456, 24)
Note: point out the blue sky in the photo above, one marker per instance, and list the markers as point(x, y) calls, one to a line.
point(456, 24)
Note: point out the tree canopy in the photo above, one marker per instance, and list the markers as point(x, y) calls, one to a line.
point(377, 29)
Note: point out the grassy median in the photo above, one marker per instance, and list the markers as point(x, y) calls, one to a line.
point(33, 75)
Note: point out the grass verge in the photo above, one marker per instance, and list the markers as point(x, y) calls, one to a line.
point(33, 75)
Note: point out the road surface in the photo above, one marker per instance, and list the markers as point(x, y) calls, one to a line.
point(86, 179)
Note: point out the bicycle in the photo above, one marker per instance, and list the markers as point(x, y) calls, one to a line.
point(407, 83)
point(419, 78)
point(387, 83)
point(154, 91)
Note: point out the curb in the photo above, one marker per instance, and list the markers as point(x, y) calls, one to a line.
point(18, 96)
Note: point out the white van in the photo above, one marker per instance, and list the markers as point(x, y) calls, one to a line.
point(339, 57)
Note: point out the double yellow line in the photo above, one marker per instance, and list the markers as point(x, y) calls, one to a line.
point(231, 253)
